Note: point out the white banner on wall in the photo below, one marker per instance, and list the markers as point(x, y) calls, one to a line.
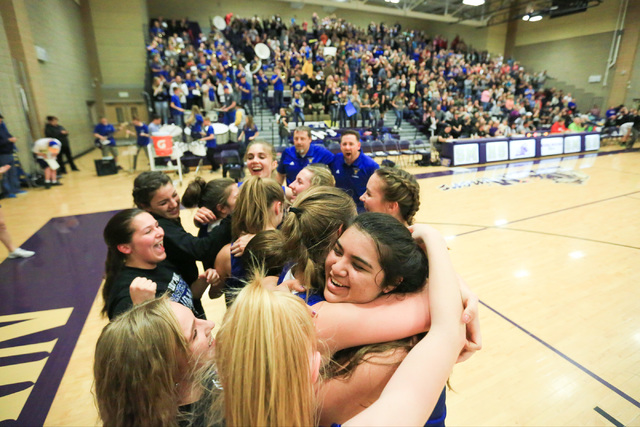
point(592, 142)
point(466, 154)
point(551, 146)
point(522, 148)
point(572, 144)
point(497, 151)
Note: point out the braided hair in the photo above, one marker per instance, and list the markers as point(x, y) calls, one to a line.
point(401, 187)
point(311, 229)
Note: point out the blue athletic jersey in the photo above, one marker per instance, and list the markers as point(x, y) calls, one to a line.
point(142, 141)
point(197, 126)
point(298, 85)
point(106, 130)
point(176, 101)
point(353, 178)
point(244, 95)
point(278, 85)
point(208, 131)
point(291, 163)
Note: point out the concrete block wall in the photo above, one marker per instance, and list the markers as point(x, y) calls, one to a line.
point(56, 26)
point(10, 101)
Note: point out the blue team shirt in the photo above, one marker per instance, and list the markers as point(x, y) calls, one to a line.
point(278, 85)
point(176, 101)
point(298, 85)
point(106, 130)
point(243, 95)
point(249, 132)
point(353, 178)
point(263, 83)
point(291, 163)
point(142, 141)
point(208, 131)
point(197, 126)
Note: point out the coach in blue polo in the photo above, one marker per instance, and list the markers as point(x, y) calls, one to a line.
point(351, 168)
point(295, 158)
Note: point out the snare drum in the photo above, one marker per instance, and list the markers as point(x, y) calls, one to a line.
point(198, 148)
point(222, 133)
point(233, 133)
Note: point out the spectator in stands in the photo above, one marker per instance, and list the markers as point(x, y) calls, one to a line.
point(263, 87)
point(249, 132)
point(177, 112)
point(295, 158)
point(283, 127)
point(208, 95)
point(195, 121)
point(297, 105)
point(398, 104)
point(161, 98)
point(209, 138)
point(576, 125)
point(53, 129)
point(559, 127)
point(155, 125)
point(229, 108)
point(422, 67)
point(246, 97)
point(351, 168)
point(278, 89)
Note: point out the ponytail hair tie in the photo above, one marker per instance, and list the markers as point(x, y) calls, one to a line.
point(296, 211)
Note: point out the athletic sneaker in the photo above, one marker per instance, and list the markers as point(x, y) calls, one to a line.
point(21, 253)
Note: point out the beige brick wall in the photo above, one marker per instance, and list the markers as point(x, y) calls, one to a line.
point(56, 26)
point(10, 103)
point(118, 26)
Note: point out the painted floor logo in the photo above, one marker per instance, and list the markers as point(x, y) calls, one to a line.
point(42, 311)
point(559, 177)
point(18, 379)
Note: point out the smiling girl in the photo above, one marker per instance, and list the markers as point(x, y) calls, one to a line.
point(260, 158)
point(141, 384)
point(154, 192)
point(136, 269)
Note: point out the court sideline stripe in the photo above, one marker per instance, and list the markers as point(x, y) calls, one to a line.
point(608, 417)
point(482, 228)
point(485, 227)
point(568, 359)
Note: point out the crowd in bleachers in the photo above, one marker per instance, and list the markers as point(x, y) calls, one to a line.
point(443, 87)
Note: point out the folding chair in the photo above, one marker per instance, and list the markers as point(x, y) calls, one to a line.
point(377, 149)
point(232, 165)
point(392, 149)
point(334, 147)
point(405, 149)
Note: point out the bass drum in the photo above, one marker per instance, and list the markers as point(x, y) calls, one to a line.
point(222, 133)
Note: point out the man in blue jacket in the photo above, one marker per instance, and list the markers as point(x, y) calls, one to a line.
point(303, 152)
point(352, 168)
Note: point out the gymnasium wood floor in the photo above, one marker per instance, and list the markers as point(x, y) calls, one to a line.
point(552, 249)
